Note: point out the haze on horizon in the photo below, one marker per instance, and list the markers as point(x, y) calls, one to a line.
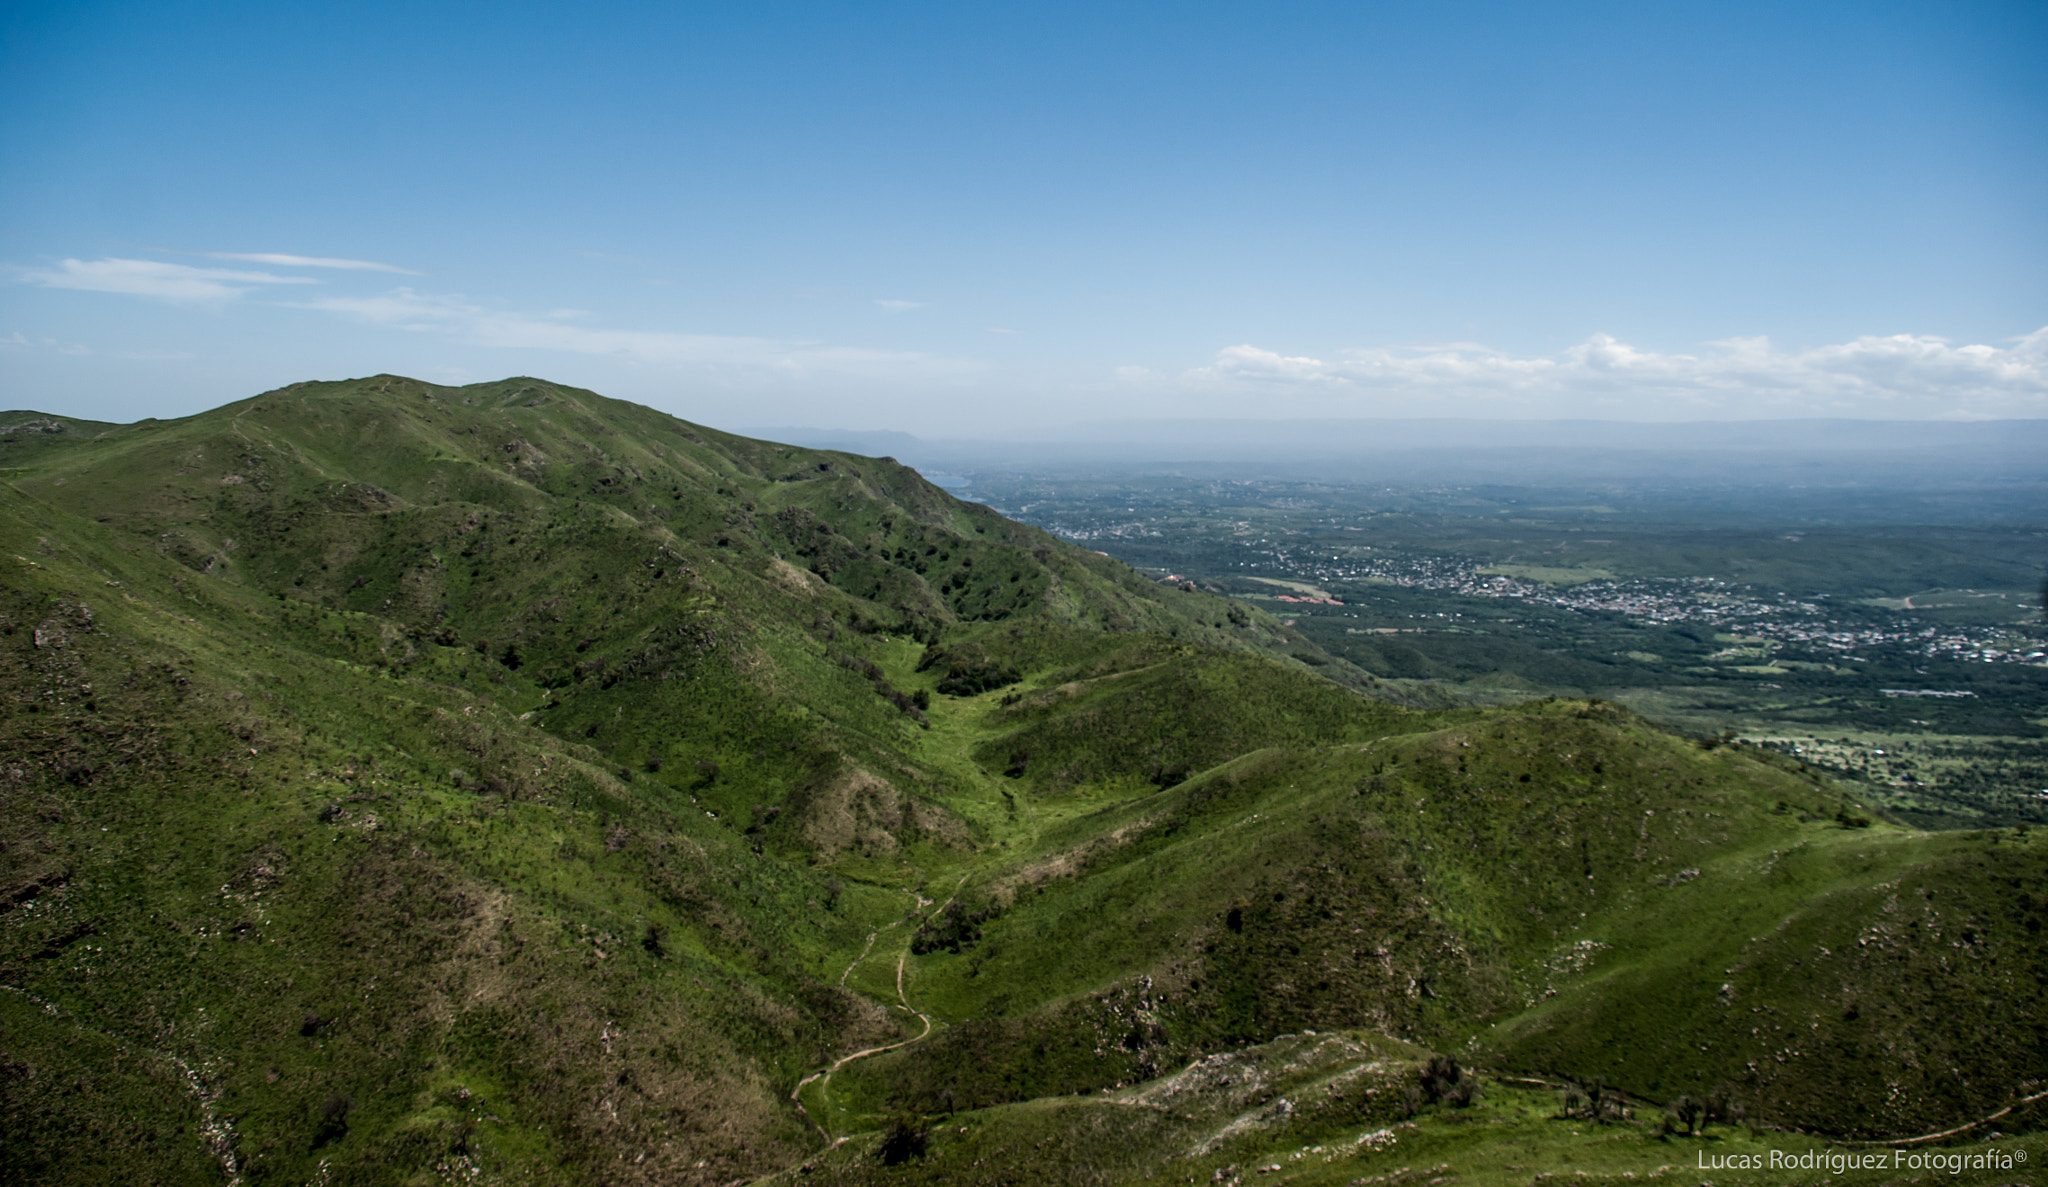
point(961, 222)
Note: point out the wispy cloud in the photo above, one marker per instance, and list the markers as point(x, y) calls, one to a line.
point(17, 341)
point(1901, 374)
point(153, 278)
point(895, 305)
point(479, 325)
point(281, 260)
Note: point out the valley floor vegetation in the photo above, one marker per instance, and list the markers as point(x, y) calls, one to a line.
point(419, 784)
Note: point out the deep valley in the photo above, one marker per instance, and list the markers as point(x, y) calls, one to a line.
point(502, 783)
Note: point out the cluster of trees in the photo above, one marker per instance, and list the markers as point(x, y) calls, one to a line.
point(1689, 1116)
point(1594, 1102)
point(954, 928)
point(912, 704)
point(904, 1140)
point(969, 670)
point(1443, 1082)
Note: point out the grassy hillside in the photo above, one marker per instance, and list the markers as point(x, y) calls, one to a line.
point(1555, 888)
point(406, 783)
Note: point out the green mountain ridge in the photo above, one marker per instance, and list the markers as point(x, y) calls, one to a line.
point(409, 783)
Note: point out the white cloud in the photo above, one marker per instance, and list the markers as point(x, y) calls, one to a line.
point(1903, 375)
point(153, 278)
point(895, 305)
point(281, 260)
point(1249, 362)
point(18, 341)
point(478, 325)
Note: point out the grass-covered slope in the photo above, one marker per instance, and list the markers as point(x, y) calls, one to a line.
point(1349, 1109)
point(400, 783)
point(1557, 888)
point(409, 774)
point(250, 869)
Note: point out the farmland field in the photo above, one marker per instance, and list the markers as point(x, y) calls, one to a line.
point(1907, 656)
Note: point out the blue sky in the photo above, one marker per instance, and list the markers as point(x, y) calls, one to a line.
point(959, 218)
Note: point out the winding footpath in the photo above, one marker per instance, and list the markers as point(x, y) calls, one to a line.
point(823, 1077)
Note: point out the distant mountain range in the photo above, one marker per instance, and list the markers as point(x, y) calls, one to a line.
point(1537, 452)
point(405, 783)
